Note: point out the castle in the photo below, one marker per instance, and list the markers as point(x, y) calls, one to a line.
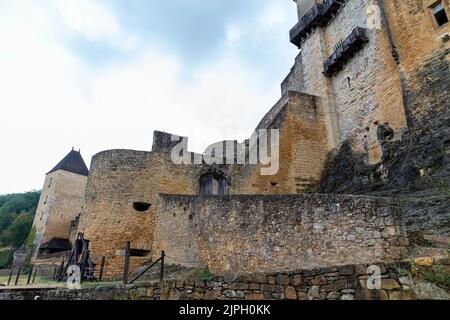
point(362, 64)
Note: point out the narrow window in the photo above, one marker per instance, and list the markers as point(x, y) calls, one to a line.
point(50, 183)
point(439, 13)
point(46, 198)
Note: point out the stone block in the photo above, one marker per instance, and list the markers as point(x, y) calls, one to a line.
point(296, 280)
point(277, 296)
point(239, 286)
point(271, 280)
point(340, 284)
point(364, 294)
point(424, 262)
point(319, 280)
point(333, 296)
point(389, 284)
point(290, 293)
point(267, 287)
point(401, 295)
point(313, 293)
point(282, 279)
point(260, 278)
point(346, 270)
point(254, 296)
point(212, 294)
point(254, 286)
point(301, 295)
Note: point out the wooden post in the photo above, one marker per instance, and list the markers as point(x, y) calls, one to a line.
point(30, 273)
point(35, 272)
point(54, 272)
point(162, 265)
point(102, 266)
point(10, 275)
point(61, 271)
point(18, 275)
point(127, 262)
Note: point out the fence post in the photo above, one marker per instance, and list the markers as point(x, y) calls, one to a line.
point(102, 266)
point(61, 271)
point(30, 273)
point(10, 275)
point(127, 262)
point(18, 275)
point(35, 272)
point(162, 265)
point(54, 272)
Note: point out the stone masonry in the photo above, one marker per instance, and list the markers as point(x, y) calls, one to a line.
point(242, 234)
point(349, 282)
point(356, 87)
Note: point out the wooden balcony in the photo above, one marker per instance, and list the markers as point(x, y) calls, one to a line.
point(346, 50)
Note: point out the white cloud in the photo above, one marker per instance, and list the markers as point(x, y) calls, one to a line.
point(273, 15)
point(94, 21)
point(89, 18)
point(51, 100)
point(233, 35)
point(150, 93)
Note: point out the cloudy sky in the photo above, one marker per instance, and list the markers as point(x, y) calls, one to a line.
point(103, 74)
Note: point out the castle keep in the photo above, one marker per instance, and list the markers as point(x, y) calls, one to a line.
point(363, 65)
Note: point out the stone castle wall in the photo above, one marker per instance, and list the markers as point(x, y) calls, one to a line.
point(120, 178)
point(268, 233)
point(424, 50)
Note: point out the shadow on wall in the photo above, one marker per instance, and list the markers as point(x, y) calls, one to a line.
point(419, 160)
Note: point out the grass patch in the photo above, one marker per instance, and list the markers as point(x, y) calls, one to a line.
point(90, 285)
point(24, 278)
point(202, 274)
point(438, 275)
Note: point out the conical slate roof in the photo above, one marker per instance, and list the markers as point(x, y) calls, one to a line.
point(73, 162)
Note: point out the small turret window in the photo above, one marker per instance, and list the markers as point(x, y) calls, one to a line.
point(141, 206)
point(439, 13)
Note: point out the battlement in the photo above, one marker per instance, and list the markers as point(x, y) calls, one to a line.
point(318, 16)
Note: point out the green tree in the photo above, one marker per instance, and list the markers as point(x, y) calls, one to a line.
point(16, 212)
point(16, 234)
point(6, 220)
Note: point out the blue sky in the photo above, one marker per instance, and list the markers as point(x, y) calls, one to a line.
point(98, 75)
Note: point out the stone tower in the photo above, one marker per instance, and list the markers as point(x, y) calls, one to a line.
point(60, 204)
point(349, 65)
point(373, 62)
